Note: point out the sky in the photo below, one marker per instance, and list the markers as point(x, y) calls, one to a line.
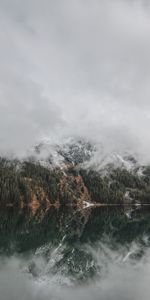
point(75, 68)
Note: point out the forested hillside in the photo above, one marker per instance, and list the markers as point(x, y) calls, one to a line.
point(32, 184)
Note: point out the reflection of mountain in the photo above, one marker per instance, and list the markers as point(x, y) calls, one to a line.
point(25, 231)
point(66, 239)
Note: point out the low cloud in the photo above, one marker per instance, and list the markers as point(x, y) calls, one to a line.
point(75, 68)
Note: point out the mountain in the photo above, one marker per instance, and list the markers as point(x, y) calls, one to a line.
point(71, 174)
point(68, 150)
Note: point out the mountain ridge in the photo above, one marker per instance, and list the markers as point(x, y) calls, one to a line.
point(74, 180)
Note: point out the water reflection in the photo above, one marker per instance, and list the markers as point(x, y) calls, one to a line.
point(73, 247)
point(22, 231)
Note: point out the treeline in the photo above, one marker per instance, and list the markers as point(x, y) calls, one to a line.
point(112, 187)
point(102, 189)
point(21, 182)
point(9, 182)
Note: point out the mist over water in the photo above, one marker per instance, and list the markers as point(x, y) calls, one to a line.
point(120, 280)
point(99, 263)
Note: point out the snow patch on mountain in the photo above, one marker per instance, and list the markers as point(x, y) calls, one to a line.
point(82, 153)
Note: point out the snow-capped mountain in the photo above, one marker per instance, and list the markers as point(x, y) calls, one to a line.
point(67, 151)
point(80, 152)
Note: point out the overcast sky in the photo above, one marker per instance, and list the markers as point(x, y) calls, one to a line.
point(75, 67)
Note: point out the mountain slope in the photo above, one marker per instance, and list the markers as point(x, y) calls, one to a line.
point(75, 180)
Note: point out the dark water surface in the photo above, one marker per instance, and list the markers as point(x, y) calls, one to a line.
point(65, 253)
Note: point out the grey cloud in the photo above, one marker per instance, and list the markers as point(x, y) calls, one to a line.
point(26, 116)
point(83, 67)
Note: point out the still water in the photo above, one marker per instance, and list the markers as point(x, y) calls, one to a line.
point(65, 253)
